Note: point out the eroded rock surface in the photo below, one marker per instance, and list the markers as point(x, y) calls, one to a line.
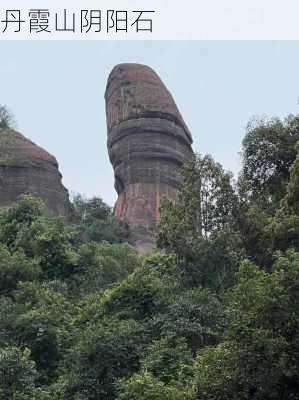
point(148, 142)
point(26, 168)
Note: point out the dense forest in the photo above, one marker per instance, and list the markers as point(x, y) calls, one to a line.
point(211, 315)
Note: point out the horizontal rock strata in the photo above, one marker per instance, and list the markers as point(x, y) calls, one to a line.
point(148, 142)
point(26, 168)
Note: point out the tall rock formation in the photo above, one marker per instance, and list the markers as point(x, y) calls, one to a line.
point(148, 142)
point(26, 168)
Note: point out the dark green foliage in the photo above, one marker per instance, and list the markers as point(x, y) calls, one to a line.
point(145, 386)
point(167, 358)
point(15, 268)
point(89, 210)
point(204, 206)
point(17, 374)
point(195, 315)
point(212, 263)
point(14, 219)
point(200, 226)
point(269, 150)
point(107, 351)
point(283, 228)
point(51, 240)
point(39, 319)
point(212, 315)
point(259, 357)
point(141, 295)
point(101, 264)
point(268, 153)
point(252, 222)
point(110, 230)
point(98, 221)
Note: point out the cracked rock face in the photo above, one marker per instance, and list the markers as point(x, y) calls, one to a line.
point(148, 142)
point(26, 168)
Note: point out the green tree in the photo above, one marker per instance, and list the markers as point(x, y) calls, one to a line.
point(13, 219)
point(102, 264)
point(268, 153)
point(195, 315)
point(15, 268)
point(204, 205)
point(167, 358)
point(105, 352)
point(269, 150)
point(42, 324)
point(17, 374)
point(90, 209)
point(141, 295)
point(252, 222)
point(258, 359)
point(200, 225)
point(7, 120)
point(283, 229)
point(52, 241)
point(98, 221)
point(145, 386)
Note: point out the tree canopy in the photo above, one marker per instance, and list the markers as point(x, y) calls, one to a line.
point(212, 314)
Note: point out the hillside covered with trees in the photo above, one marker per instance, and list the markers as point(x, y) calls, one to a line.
point(213, 314)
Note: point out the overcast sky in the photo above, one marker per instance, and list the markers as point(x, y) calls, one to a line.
point(56, 92)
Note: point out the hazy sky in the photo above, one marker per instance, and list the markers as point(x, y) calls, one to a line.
point(56, 91)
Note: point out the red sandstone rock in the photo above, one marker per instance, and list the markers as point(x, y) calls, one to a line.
point(148, 142)
point(26, 168)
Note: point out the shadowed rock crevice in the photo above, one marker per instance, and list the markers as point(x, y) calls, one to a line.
point(148, 142)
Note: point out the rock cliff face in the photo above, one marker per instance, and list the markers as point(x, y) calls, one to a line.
point(148, 142)
point(26, 168)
